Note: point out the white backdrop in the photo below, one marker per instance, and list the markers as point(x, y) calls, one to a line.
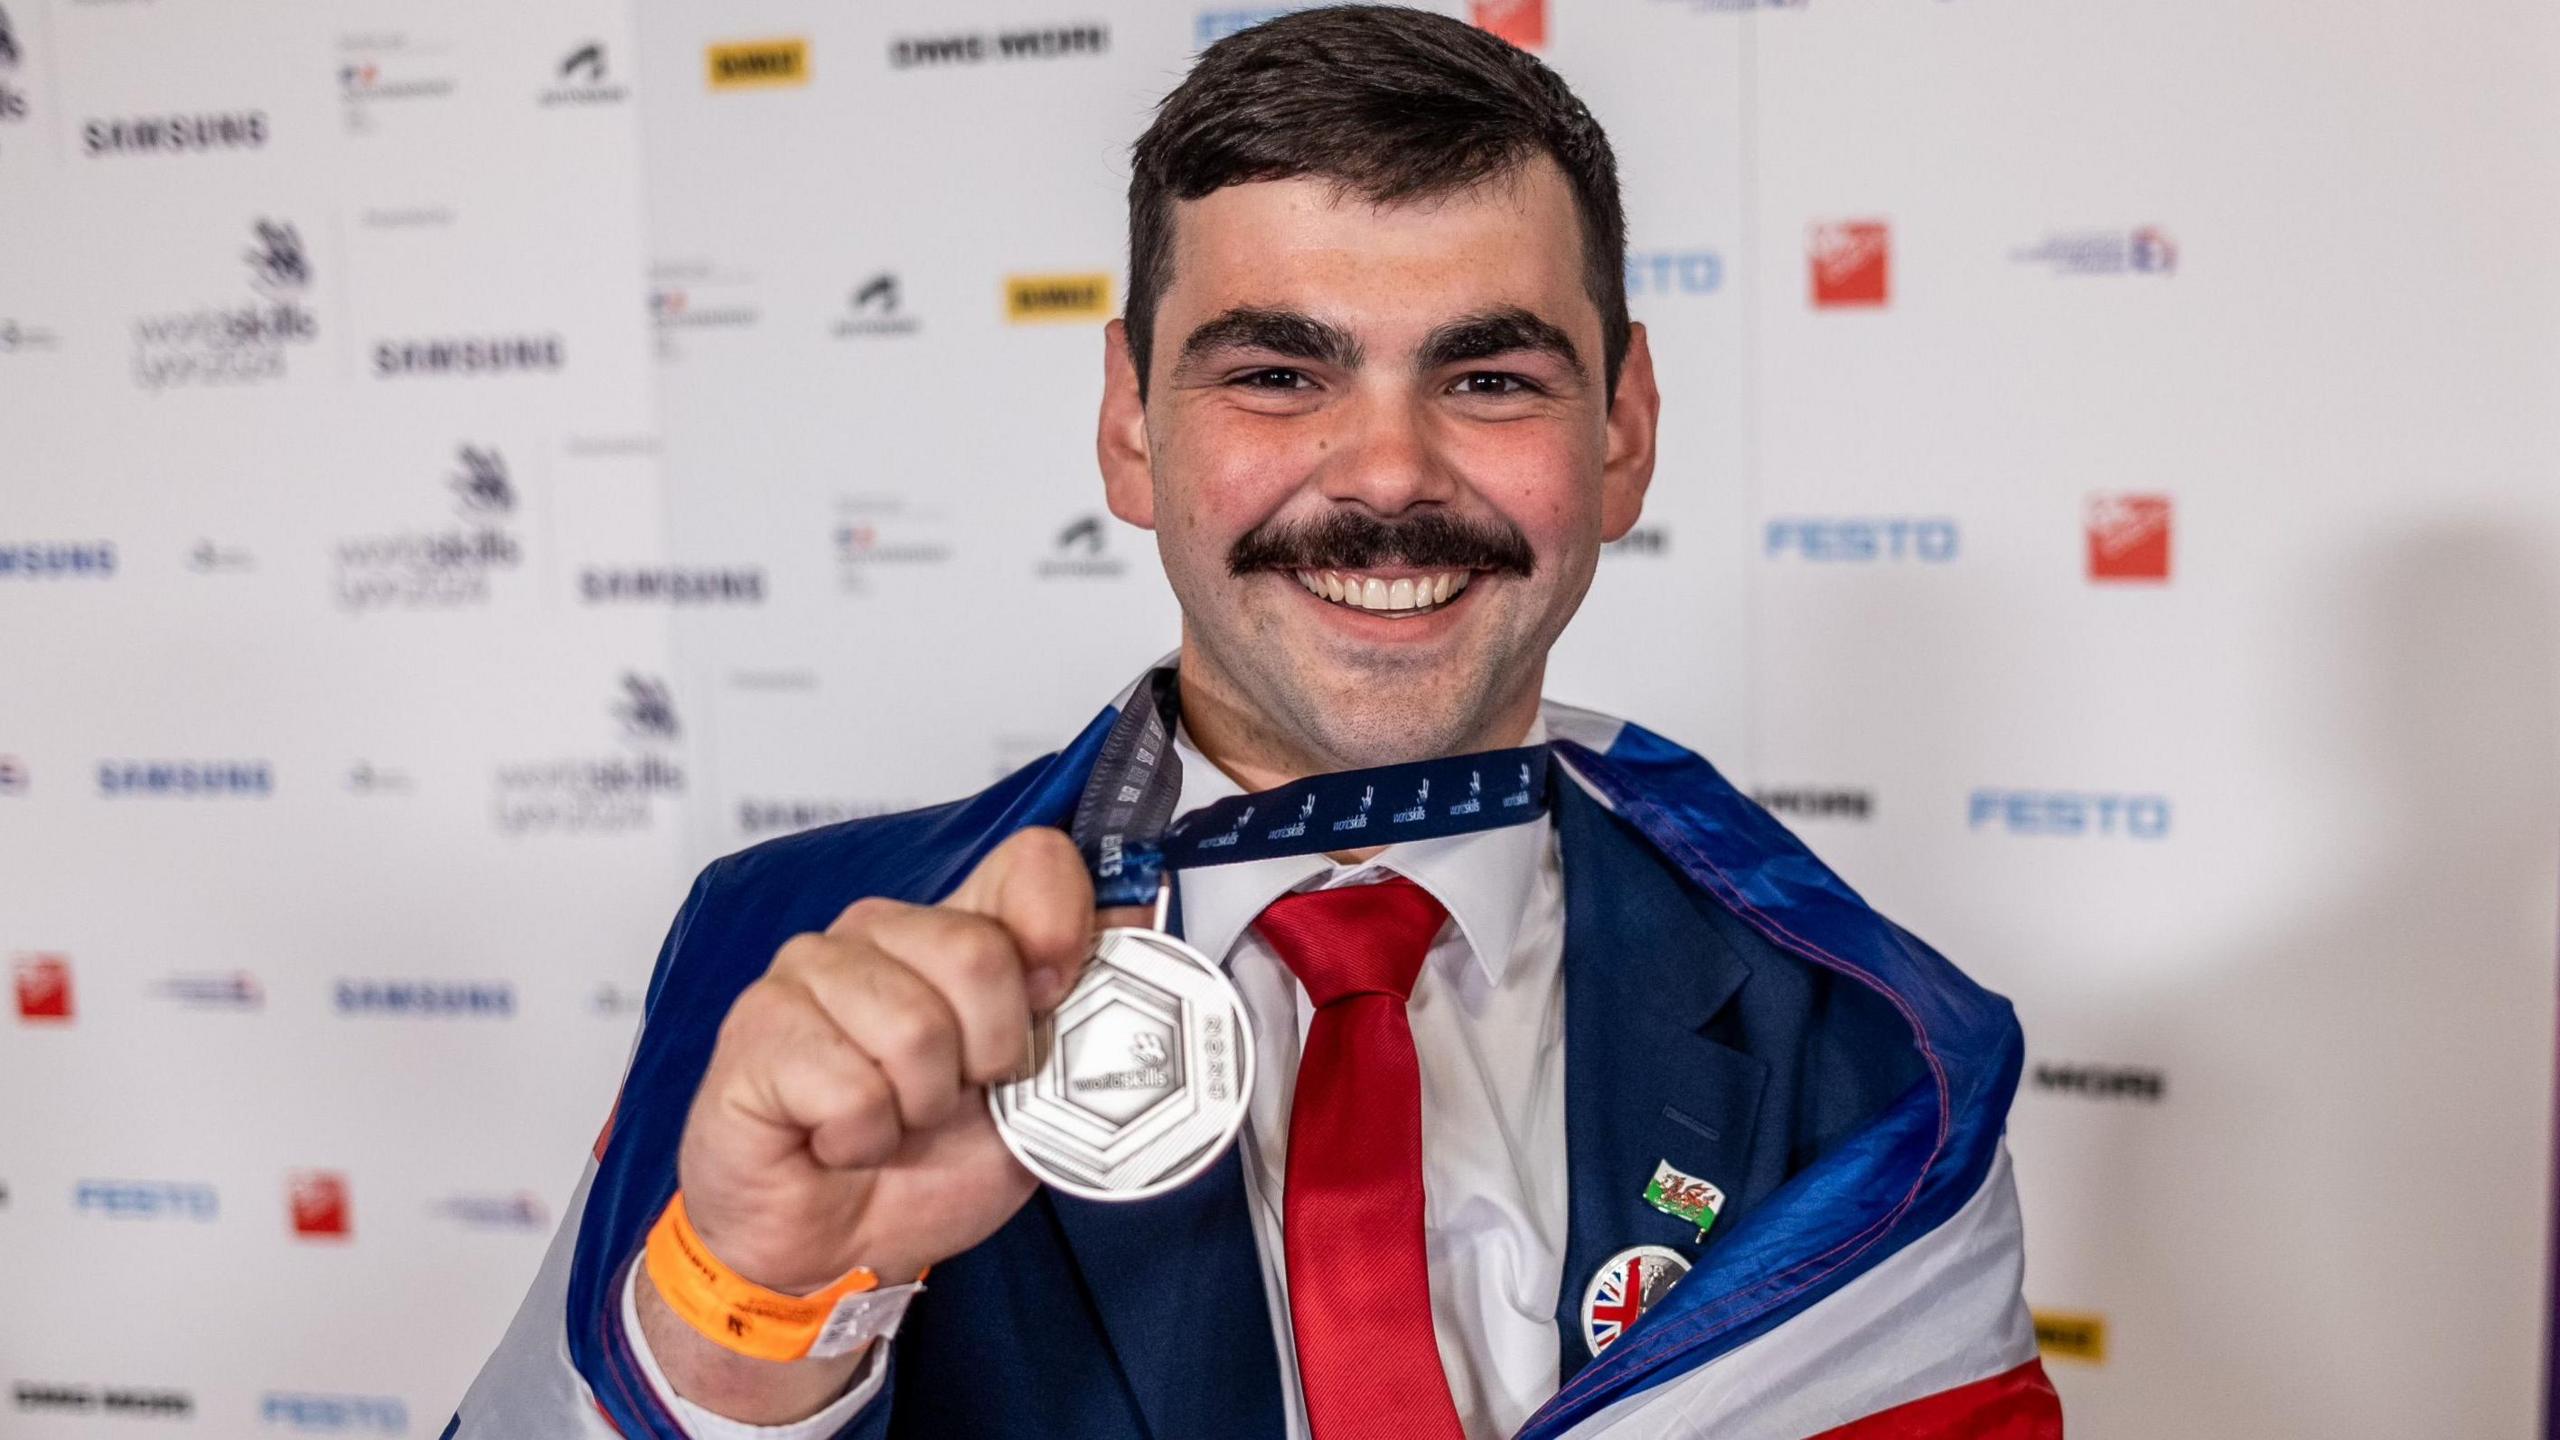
point(468, 465)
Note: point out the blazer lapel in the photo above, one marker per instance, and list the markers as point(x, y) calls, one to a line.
point(1645, 971)
point(1177, 1284)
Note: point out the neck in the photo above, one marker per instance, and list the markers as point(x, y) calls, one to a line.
point(1258, 754)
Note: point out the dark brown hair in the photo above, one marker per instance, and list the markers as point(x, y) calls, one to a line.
point(1392, 104)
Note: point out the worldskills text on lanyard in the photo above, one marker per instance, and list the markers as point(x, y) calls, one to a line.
point(1139, 1078)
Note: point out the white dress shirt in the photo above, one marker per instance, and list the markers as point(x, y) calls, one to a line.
point(1488, 1031)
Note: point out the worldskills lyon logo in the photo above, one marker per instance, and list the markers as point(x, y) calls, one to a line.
point(2129, 538)
point(1851, 262)
point(445, 567)
point(13, 101)
point(598, 795)
point(317, 1202)
point(13, 777)
point(234, 343)
point(44, 987)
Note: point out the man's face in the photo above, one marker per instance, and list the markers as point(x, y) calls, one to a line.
point(1378, 458)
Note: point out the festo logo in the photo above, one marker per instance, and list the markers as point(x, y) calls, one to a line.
point(2129, 538)
point(146, 1200)
point(2069, 814)
point(1860, 540)
point(1851, 263)
point(44, 987)
point(1674, 272)
point(334, 1414)
point(317, 1202)
point(757, 64)
point(1034, 299)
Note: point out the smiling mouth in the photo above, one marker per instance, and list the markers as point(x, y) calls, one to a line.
point(1403, 596)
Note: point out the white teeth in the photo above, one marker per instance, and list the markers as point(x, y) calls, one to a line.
point(1367, 592)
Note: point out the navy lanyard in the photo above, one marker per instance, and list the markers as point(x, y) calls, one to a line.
point(1125, 824)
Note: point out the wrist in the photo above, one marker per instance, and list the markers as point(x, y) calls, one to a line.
point(837, 1316)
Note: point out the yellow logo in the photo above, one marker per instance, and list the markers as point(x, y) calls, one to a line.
point(1032, 298)
point(758, 64)
point(2072, 1337)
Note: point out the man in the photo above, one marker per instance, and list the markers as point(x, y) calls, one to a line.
point(1378, 397)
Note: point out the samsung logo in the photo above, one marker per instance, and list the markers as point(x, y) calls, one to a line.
point(52, 561)
point(426, 997)
point(205, 779)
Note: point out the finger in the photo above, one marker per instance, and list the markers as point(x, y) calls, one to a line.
point(890, 1013)
point(972, 961)
point(1035, 885)
point(830, 1089)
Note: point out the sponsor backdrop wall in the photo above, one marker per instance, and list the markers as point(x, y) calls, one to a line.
point(466, 465)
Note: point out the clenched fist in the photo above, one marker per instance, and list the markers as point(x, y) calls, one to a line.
point(843, 1118)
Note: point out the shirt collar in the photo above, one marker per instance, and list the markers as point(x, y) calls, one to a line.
point(1482, 880)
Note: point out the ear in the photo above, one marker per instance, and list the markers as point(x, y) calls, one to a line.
point(1632, 419)
point(1120, 436)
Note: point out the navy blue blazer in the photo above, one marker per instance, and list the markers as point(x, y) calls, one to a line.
point(1688, 1038)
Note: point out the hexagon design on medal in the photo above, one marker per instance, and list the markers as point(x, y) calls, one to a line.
point(1123, 1059)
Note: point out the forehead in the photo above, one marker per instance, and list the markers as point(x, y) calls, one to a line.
point(1306, 244)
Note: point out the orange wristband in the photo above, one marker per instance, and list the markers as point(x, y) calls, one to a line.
point(738, 1314)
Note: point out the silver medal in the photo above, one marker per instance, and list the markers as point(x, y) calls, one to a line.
point(1138, 1079)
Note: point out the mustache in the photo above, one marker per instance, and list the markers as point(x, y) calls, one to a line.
point(1356, 540)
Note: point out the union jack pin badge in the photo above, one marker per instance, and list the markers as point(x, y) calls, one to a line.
point(1625, 1288)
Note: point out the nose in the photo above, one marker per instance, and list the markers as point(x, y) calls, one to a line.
point(1385, 458)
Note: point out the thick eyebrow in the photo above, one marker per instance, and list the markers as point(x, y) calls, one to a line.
point(1498, 332)
point(1289, 334)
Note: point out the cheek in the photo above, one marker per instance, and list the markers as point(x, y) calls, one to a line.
point(1544, 480)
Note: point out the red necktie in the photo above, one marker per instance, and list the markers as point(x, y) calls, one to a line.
point(1359, 1290)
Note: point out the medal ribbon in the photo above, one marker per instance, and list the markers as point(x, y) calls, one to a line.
point(1124, 820)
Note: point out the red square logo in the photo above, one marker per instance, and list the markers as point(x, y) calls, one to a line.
point(1849, 259)
point(1522, 22)
point(2129, 537)
point(44, 987)
point(319, 1202)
